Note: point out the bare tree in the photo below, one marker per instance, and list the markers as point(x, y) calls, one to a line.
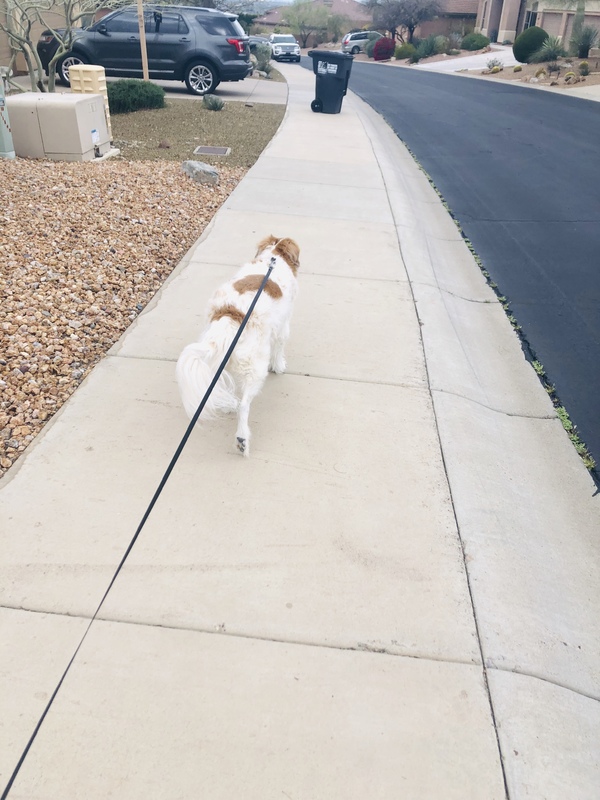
point(17, 18)
point(405, 15)
point(304, 18)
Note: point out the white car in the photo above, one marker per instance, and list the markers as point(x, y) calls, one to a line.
point(284, 47)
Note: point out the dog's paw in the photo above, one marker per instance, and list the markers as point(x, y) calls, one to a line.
point(278, 367)
point(243, 446)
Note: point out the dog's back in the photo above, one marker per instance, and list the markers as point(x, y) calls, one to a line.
point(260, 347)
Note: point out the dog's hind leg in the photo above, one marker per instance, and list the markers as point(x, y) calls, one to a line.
point(252, 385)
point(277, 362)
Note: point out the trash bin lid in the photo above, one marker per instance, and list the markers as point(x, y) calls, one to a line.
point(330, 55)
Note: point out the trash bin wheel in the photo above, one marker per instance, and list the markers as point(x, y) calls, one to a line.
point(317, 105)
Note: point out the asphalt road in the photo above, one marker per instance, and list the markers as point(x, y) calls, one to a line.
point(520, 170)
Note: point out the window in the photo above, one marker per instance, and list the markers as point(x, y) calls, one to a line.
point(126, 22)
point(218, 26)
point(165, 22)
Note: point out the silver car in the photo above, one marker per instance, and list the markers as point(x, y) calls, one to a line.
point(356, 42)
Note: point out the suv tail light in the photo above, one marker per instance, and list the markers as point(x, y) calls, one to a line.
point(239, 44)
point(46, 37)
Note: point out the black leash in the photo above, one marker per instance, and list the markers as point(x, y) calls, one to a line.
point(157, 493)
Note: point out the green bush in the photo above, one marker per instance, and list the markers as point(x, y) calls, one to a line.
point(404, 51)
point(262, 53)
point(474, 41)
point(212, 103)
point(550, 50)
point(442, 44)
point(384, 49)
point(528, 42)
point(426, 47)
point(130, 94)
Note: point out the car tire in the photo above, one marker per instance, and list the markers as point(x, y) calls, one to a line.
point(62, 67)
point(298, 60)
point(201, 78)
point(355, 50)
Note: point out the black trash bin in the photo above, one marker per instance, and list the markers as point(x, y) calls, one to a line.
point(333, 73)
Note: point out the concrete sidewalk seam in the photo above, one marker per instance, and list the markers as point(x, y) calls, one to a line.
point(359, 647)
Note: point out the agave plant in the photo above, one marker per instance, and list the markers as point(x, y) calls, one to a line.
point(550, 50)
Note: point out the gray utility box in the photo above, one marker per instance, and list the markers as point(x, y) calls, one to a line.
point(61, 127)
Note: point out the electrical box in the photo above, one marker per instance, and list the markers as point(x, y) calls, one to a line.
point(61, 127)
point(90, 79)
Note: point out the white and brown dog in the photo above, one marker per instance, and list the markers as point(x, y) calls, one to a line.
point(260, 348)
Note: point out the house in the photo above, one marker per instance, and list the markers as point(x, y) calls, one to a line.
point(503, 20)
point(456, 16)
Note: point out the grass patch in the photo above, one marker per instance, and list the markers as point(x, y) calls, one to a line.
point(172, 133)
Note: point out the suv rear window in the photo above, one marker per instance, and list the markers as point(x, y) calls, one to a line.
point(220, 26)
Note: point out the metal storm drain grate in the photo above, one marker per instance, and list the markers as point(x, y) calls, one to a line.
point(212, 151)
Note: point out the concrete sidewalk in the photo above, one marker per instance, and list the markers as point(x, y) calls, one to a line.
point(396, 596)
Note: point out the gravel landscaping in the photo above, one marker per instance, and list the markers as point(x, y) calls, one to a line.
point(83, 248)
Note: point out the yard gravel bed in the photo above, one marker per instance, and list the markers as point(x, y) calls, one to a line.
point(83, 248)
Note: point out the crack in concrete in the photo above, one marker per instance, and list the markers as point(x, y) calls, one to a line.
point(549, 417)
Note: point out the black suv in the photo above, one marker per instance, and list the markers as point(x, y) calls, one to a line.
point(200, 46)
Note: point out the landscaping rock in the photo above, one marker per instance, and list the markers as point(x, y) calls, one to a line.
point(200, 172)
point(83, 248)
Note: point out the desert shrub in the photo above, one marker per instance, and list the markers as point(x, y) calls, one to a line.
point(370, 46)
point(454, 40)
point(541, 73)
point(426, 47)
point(587, 38)
point(384, 49)
point(495, 70)
point(262, 53)
point(494, 62)
point(584, 68)
point(528, 42)
point(550, 50)
point(442, 45)
point(130, 94)
point(212, 103)
point(404, 51)
point(453, 52)
point(517, 68)
point(474, 41)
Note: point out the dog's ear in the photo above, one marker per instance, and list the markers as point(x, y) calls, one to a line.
point(290, 252)
point(268, 241)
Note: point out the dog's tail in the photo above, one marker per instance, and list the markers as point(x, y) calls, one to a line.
point(196, 368)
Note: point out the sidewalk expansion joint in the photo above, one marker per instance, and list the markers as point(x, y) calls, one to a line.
point(547, 417)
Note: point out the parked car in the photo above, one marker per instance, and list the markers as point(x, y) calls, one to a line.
point(284, 47)
point(200, 46)
point(254, 41)
point(356, 42)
